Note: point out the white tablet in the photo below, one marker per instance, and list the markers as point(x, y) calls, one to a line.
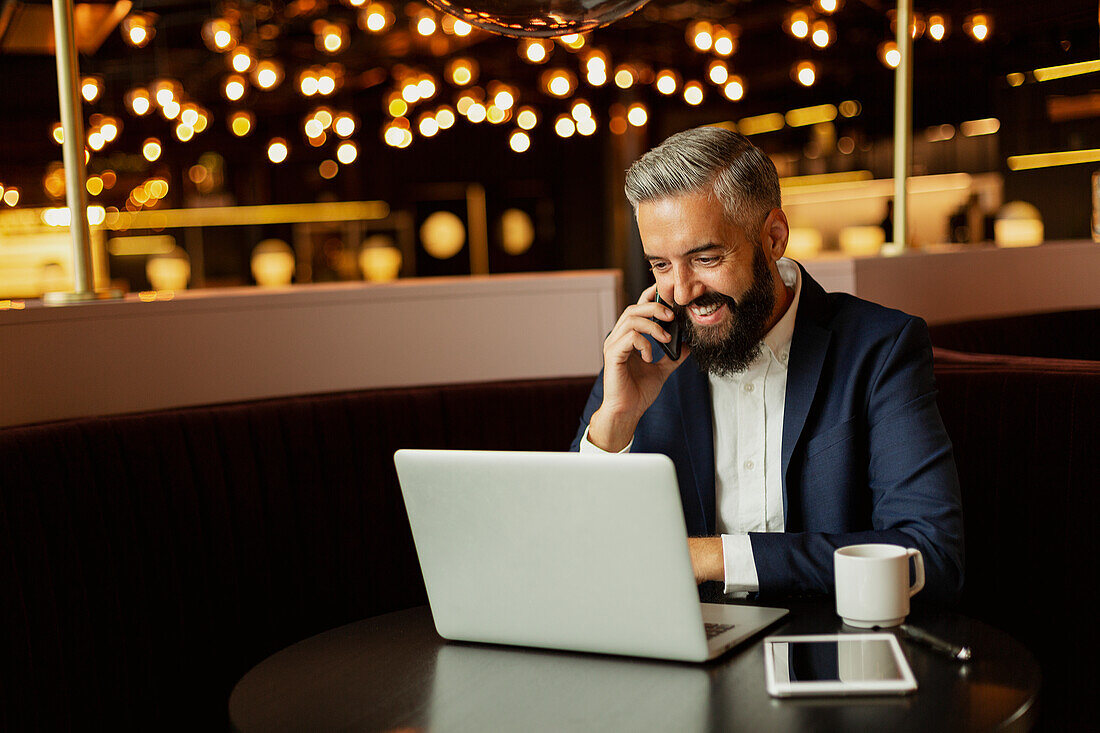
point(836, 664)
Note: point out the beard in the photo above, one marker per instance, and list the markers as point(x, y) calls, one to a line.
point(728, 348)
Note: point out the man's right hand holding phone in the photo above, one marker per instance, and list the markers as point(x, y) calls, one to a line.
point(634, 370)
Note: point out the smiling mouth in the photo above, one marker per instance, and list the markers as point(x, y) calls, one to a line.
point(707, 314)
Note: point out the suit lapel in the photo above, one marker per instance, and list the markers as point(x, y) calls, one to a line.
point(809, 345)
point(695, 411)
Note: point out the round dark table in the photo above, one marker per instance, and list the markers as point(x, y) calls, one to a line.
point(394, 673)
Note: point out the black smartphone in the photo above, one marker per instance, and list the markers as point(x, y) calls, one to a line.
point(674, 329)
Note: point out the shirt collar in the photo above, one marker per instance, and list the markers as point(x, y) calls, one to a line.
point(778, 339)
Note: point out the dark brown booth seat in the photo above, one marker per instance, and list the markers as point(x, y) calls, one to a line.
point(1059, 335)
point(148, 561)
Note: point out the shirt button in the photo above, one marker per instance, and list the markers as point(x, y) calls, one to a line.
point(783, 357)
point(749, 465)
point(749, 388)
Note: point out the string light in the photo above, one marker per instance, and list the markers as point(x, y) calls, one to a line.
point(564, 126)
point(978, 26)
point(240, 123)
point(636, 114)
point(425, 23)
point(150, 149)
point(937, 27)
point(138, 29)
point(806, 73)
point(798, 23)
point(889, 54)
point(90, 88)
point(347, 152)
point(519, 141)
point(241, 60)
point(624, 77)
point(718, 72)
point(693, 93)
point(234, 87)
point(277, 150)
point(667, 82)
point(527, 118)
point(734, 89)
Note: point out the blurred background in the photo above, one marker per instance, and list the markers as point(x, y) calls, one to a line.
point(240, 143)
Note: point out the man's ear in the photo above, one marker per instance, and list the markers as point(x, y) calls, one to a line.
point(774, 234)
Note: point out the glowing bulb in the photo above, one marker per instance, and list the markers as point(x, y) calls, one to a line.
point(411, 92)
point(828, 6)
point(307, 83)
point(241, 60)
point(806, 73)
point(889, 55)
point(94, 184)
point(519, 141)
point(314, 128)
point(326, 84)
point(375, 18)
point(427, 125)
point(977, 26)
point(703, 40)
point(937, 27)
point(151, 149)
point(445, 118)
point(267, 74)
point(138, 100)
point(171, 110)
point(636, 115)
point(535, 52)
point(347, 152)
point(58, 133)
point(184, 132)
point(586, 126)
point(240, 123)
point(277, 150)
point(109, 130)
point(426, 87)
point(138, 35)
point(734, 89)
point(581, 111)
point(425, 26)
point(564, 126)
point(527, 118)
point(332, 41)
point(821, 36)
point(95, 140)
point(624, 77)
point(477, 112)
point(189, 115)
point(693, 93)
point(343, 125)
point(666, 82)
point(462, 28)
point(394, 136)
point(799, 24)
point(165, 95)
point(718, 73)
point(328, 169)
point(90, 88)
point(504, 99)
point(234, 88)
point(11, 196)
point(723, 44)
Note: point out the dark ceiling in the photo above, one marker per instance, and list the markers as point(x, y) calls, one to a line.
point(956, 79)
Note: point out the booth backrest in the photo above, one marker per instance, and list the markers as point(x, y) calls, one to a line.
point(1060, 335)
point(148, 561)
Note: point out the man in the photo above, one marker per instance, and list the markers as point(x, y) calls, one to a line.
point(799, 421)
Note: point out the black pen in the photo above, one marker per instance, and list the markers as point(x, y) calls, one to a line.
point(961, 653)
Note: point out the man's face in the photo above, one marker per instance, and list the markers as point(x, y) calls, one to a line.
point(725, 281)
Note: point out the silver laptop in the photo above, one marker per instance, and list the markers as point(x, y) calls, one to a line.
point(563, 551)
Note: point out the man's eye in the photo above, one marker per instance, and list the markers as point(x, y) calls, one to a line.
point(658, 266)
point(707, 260)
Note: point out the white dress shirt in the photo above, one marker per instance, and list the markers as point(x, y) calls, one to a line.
point(748, 439)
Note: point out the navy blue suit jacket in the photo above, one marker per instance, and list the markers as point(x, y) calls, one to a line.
point(865, 455)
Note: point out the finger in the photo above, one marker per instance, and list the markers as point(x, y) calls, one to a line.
point(648, 295)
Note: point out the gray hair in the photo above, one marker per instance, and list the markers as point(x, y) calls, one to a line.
point(739, 175)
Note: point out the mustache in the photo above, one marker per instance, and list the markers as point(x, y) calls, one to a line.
point(713, 298)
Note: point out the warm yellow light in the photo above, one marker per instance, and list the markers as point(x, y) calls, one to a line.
point(171, 110)
point(410, 92)
point(240, 123)
point(343, 125)
point(586, 126)
point(326, 83)
point(138, 29)
point(347, 152)
point(328, 169)
point(375, 19)
point(189, 115)
point(496, 115)
point(666, 82)
point(637, 115)
point(425, 25)
point(426, 87)
point(575, 41)
point(703, 40)
point(138, 101)
point(717, 72)
point(324, 116)
point(734, 89)
point(445, 117)
point(94, 184)
point(760, 124)
point(314, 128)
point(806, 73)
point(241, 60)
point(888, 54)
point(527, 118)
point(268, 74)
point(138, 35)
point(535, 50)
point(558, 82)
point(462, 28)
point(307, 83)
point(165, 94)
point(464, 103)
point(986, 126)
point(58, 133)
point(184, 132)
point(504, 99)
point(850, 108)
point(277, 150)
point(223, 39)
point(1048, 73)
point(234, 88)
point(519, 141)
point(395, 136)
point(151, 149)
point(1048, 160)
point(332, 40)
point(476, 112)
point(397, 107)
point(723, 43)
point(693, 93)
point(828, 6)
point(427, 125)
point(800, 25)
point(624, 77)
point(11, 196)
point(978, 26)
point(937, 27)
point(109, 129)
point(461, 72)
point(95, 140)
point(581, 110)
point(90, 88)
point(805, 116)
point(564, 126)
point(597, 77)
point(822, 34)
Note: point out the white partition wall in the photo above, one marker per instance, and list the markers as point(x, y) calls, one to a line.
point(204, 347)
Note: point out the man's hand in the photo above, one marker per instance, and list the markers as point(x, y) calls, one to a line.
point(631, 381)
point(707, 559)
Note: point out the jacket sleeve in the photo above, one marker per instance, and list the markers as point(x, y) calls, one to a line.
point(595, 399)
point(911, 480)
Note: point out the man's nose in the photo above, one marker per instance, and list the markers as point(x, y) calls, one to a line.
point(685, 287)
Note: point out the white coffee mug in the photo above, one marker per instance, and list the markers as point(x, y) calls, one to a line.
point(872, 583)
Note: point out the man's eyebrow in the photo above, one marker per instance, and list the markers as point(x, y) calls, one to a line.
point(695, 251)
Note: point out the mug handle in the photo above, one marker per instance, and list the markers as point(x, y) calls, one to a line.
point(918, 563)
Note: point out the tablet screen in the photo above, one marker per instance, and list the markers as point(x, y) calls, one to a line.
point(838, 661)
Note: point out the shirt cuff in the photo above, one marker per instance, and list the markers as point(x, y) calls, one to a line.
point(586, 446)
point(740, 567)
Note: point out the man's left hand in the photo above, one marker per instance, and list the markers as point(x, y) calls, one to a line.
point(707, 559)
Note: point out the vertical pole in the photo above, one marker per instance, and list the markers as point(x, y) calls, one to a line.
point(903, 123)
point(72, 122)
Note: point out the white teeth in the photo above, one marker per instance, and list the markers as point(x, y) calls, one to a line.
point(705, 311)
